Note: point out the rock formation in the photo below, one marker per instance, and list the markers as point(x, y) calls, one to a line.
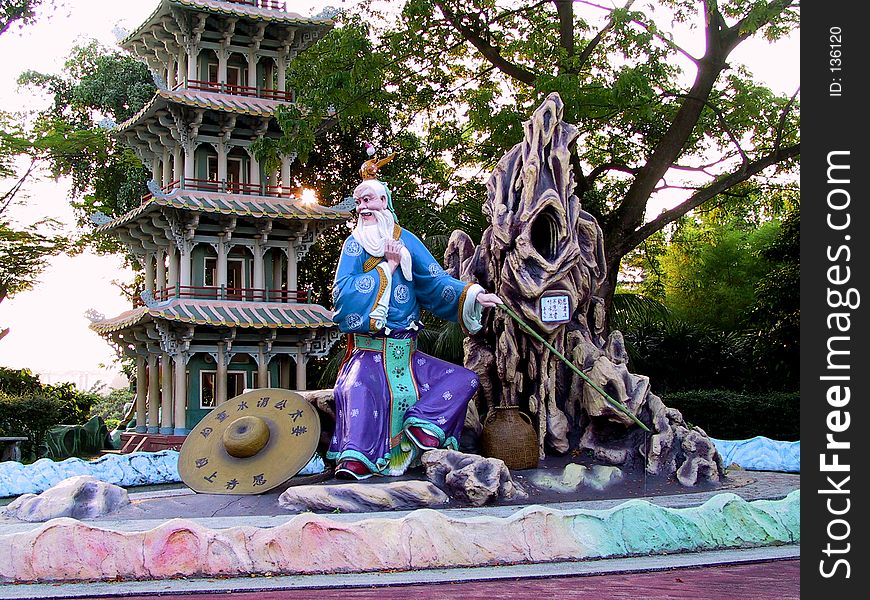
point(471, 478)
point(80, 497)
point(540, 244)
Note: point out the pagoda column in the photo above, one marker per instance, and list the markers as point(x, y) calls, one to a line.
point(282, 73)
point(192, 59)
point(149, 273)
point(286, 161)
point(259, 282)
point(180, 395)
point(166, 394)
point(171, 71)
point(285, 372)
point(180, 67)
point(252, 71)
point(292, 282)
point(153, 394)
point(161, 270)
point(156, 171)
point(277, 277)
point(172, 259)
point(223, 55)
point(222, 151)
point(141, 393)
point(262, 368)
point(223, 249)
point(167, 168)
point(220, 378)
point(185, 264)
point(177, 168)
point(254, 175)
point(301, 362)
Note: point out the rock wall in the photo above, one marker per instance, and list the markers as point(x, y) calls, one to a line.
point(69, 550)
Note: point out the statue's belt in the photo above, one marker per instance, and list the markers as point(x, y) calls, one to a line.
point(379, 344)
point(397, 353)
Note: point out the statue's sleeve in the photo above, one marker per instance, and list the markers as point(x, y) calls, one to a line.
point(360, 294)
point(439, 293)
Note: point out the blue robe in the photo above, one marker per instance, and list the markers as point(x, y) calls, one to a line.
point(384, 384)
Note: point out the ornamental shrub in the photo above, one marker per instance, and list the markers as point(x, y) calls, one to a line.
point(730, 415)
point(30, 417)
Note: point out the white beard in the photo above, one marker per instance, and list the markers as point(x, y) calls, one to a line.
point(373, 238)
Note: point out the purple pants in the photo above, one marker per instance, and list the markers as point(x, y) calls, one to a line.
point(385, 386)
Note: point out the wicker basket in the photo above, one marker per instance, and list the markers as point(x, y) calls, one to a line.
point(508, 435)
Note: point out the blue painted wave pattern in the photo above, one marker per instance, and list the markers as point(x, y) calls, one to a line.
point(126, 470)
point(761, 454)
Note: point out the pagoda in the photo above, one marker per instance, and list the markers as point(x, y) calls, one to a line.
point(219, 237)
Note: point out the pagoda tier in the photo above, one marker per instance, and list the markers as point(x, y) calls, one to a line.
point(219, 237)
point(248, 42)
point(225, 348)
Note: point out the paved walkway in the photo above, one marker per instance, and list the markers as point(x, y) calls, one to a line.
point(759, 573)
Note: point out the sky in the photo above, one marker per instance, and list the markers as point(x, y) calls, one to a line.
point(49, 331)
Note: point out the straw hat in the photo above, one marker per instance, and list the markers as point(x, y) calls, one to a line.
point(250, 444)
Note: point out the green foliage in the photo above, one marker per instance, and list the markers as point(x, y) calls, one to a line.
point(448, 84)
point(729, 415)
point(732, 293)
point(30, 417)
point(711, 271)
point(24, 253)
point(30, 408)
point(96, 84)
point(110, 407)
point(17, 11)
point(75, 406)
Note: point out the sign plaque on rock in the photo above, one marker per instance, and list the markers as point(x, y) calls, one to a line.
point(250, 444)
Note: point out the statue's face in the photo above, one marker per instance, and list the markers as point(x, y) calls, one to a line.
point(367, 203)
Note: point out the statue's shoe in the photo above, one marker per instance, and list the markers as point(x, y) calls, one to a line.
point(351, 469)
point(422, 438)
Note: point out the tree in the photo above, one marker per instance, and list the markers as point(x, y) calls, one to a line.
point(97, 85)
point(24, 251)
point(17, 11)
point(466, 73)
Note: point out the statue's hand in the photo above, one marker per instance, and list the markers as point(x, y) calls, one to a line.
point(393, 253)
point(488, 300)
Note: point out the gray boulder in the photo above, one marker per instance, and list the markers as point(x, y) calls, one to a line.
point(471, 478)
point(362, 497)
point(79, 497)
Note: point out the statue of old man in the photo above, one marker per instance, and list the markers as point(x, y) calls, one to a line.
point(392, 401)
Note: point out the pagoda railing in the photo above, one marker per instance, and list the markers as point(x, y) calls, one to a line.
point(227, 187)
point(269, 4)
point(236, 90)
point(228, 293)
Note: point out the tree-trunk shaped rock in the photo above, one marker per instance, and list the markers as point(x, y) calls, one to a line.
point(541, 243)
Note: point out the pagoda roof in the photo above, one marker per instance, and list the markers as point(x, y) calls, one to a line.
point(246, 105)
point(222, 313)
point(231, 204)
point(230, 9)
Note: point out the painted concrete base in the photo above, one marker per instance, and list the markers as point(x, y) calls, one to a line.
point(69, 550)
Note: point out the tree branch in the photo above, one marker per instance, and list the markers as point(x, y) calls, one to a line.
point(611, 166)
point(706, 193)
point(489, 52)
point(565, 11)
point(593, 43)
